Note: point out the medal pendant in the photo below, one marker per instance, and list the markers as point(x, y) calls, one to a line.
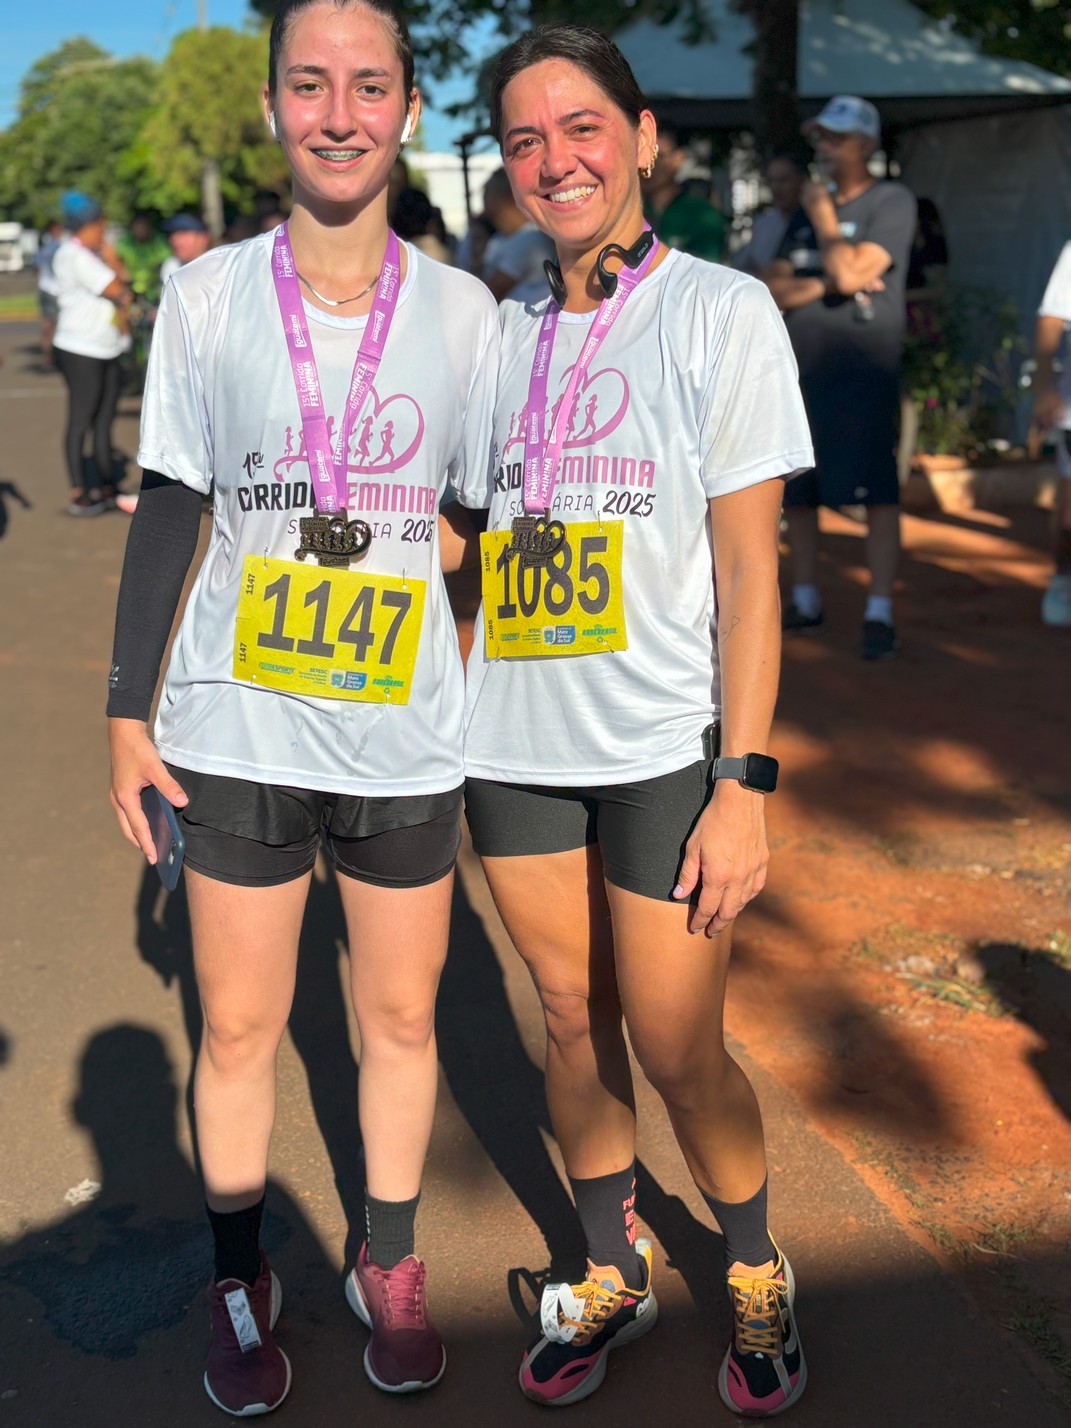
point(333, 540)
point(535, 539)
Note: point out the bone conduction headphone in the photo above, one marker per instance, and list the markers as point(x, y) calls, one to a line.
point(630, 257)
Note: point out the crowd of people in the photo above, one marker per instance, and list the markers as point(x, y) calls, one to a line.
point(589, 401)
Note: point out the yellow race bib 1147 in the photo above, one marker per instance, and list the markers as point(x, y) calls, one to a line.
point(571, 606)
point(334, 634)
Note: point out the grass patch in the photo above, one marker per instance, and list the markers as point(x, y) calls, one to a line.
point(1059, 945)
point(18, 306)
point(957, 993)
point(1031, 1319)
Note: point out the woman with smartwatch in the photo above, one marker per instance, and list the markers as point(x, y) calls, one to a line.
point(323, 382)
point(621, 690)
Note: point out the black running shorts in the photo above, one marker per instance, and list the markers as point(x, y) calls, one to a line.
point(261, 835)
point(641, 828)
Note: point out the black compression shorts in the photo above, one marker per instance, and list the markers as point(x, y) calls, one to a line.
point(261, 835)
point(641, 828)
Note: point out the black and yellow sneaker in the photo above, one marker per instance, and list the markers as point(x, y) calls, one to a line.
point(581, 1323)
point(764, 1371)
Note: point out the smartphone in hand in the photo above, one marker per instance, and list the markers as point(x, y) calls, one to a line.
point(166, 834)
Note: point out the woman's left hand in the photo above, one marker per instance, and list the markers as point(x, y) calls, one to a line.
point(726, 857)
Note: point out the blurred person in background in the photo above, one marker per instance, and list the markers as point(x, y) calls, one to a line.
point(513, 259)
point(785, 175)
point(1052, 409)
point(90, 336)
point(396, 186)
point(414, 220)
point(189, 238)
point(143, 250)
point(841, 289)
point(681, 218)
point(241, 227)
point(473, 245)
point(47, 291)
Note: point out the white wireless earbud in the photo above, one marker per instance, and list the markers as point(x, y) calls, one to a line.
point(273, 126)
point(407, 132)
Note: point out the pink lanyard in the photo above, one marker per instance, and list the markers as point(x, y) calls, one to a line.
point(541, 461)
point(327, 467)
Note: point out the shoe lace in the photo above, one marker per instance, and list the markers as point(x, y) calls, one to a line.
point(758, 1316)
point(403, 1297)
point(597, 1304)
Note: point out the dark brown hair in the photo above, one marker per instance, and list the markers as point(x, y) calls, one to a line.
point(385, 9)
point(588, 49)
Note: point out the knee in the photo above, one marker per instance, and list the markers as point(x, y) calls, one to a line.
point(685, 1076)
point(398, 1028)
point(575, 1020)
point(237, 1042)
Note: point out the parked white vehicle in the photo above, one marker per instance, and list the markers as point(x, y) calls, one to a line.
point(12, 259)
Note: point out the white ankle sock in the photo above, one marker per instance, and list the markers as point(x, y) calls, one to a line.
point(879, 607)
point(807, 600)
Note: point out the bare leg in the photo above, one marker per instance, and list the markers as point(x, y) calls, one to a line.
point(245, 955)
point(397, 940)
point(803, 544)
point(554, 908)
point(883, 548)
point(675, 1025)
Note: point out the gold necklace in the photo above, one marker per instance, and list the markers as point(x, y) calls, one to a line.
point(340, 302)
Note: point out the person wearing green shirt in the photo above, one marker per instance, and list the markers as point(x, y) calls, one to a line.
point(681, 219)
point(142, 250)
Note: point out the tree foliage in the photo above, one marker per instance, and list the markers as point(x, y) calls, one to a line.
point(1036, 31)
point(207, 106)
point(79, 111)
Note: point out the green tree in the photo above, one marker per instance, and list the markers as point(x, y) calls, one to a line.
point(208, 106)
point(1033, 30)
point(79, 110)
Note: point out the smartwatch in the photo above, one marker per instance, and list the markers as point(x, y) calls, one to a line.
point(755, 771)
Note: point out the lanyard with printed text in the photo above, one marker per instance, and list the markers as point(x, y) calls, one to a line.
point(327, 467)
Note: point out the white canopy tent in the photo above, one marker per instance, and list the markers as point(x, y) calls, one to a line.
point(989, 140)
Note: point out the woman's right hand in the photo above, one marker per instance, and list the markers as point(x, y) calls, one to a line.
point(137, 765)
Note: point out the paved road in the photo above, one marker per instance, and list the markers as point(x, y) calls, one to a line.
point(105, 1249)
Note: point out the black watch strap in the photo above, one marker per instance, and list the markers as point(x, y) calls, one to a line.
point(754, 771)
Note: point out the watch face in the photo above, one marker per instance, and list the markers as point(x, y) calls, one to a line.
point(760, 773)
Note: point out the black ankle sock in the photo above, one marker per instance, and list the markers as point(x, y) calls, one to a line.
point(744, 1226)
point(606, 1205)
point(237, 1237)
point(391, 1226)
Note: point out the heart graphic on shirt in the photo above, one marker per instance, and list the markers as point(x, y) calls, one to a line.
point(385, 438)
point(601, 403)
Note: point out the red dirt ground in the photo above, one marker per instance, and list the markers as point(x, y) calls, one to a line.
point(907, 972)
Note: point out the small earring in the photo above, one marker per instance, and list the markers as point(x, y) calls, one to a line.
point(648, 169)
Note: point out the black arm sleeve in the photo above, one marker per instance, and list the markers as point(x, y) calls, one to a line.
point(159, 551)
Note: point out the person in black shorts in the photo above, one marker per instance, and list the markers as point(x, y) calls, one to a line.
point(841, 287)
point(314, 693)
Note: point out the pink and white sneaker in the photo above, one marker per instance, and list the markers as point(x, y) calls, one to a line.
point(764, 1371)
point(405, 1353)
point(246, 1373)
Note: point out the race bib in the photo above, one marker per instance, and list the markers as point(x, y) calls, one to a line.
point(334, 634)
point(570, 606)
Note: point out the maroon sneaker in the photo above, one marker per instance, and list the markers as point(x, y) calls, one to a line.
point(247, 1373)
point(405, 1353)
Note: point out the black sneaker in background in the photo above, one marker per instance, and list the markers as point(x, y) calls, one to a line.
point(793, 618)
point(879, 640)
point(85, 505)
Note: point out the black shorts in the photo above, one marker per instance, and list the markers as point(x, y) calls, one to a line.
point(854, 426)
point(641, 828)
point(261, 835)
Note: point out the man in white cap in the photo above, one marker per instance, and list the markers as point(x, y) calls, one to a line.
point(840, 285)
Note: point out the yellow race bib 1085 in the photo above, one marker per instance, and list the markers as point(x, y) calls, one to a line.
point(334, 634)
point(570, 606)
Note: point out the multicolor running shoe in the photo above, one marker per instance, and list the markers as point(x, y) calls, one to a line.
point(581, 1323)
point(764, 1371)
point(247, 1373)
point(405, 1352)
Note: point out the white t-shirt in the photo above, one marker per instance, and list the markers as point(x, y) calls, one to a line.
point(86, 323)
point(1057, 303)
point(521, 256)
point(694, 394)
point(220, 414)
